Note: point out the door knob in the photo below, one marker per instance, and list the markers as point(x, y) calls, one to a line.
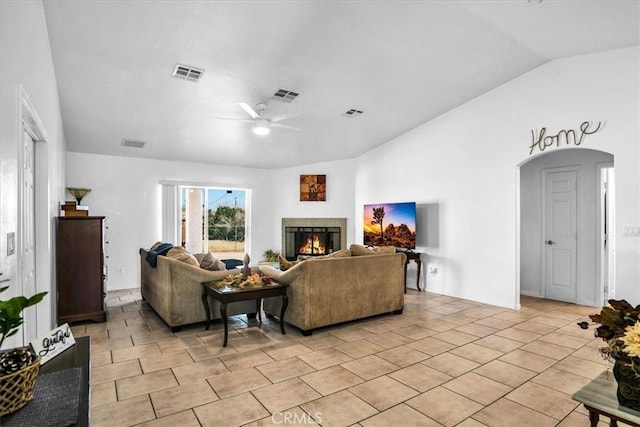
point(550, 242)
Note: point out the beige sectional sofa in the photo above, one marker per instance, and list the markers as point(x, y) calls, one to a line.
point(173, 289)
point(327, 291)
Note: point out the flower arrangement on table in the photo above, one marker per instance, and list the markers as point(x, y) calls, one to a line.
point(242, 280)
point(620, 329)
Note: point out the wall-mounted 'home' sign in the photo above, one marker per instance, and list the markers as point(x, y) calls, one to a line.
point(566, 137)
point(55, 342)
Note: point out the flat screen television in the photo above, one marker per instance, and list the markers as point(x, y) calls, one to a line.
point(390, 224)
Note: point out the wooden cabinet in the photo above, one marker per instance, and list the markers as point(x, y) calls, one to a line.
point(80, 264)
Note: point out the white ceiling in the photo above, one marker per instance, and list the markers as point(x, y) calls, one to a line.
point(401, 62)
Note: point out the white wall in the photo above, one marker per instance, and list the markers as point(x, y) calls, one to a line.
point(465, 163)
point(127, 191)
point(25, 59)
point(340, 195)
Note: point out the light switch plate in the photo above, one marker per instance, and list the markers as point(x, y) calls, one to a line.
point(11, 243)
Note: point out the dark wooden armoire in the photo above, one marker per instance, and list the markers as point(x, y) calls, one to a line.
point(80, 269)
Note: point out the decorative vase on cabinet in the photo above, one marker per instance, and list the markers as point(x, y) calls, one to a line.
point(80, 269)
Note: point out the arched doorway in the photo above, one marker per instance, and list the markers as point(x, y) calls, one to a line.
point(564, 212)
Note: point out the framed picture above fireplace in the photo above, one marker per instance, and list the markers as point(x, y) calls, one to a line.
point(313, 188)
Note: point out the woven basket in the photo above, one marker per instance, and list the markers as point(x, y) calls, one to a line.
point(16, 389)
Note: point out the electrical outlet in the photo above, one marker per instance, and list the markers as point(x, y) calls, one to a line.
point(120, 270)
point(433, 270)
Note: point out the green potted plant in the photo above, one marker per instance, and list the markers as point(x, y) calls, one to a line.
point(19, 367)
point(11, 313)
point(271, 255)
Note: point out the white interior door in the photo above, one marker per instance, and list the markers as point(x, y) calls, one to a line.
point(560, 235)
point(27, 235)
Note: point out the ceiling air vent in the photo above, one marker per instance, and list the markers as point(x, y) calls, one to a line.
point(186, 72)
point(286, 95)
point(132, 143)
point(354, 112)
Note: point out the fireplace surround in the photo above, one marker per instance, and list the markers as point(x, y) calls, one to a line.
point(312, 236)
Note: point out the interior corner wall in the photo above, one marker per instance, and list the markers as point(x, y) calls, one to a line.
point(25, 60)
point(464, 166)
point(339, 203)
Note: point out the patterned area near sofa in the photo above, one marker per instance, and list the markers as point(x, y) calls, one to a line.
point(347, 285)
point(173, 288)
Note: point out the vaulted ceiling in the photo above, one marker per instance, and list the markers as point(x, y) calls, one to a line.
point(401, 63)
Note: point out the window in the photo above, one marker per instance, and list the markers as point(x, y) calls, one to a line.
point(213, 219)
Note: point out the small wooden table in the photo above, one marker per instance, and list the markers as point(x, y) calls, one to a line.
point(225, 295)
point(599, 398)
point(412, 256)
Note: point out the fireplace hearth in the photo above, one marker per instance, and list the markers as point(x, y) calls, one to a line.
point(312, 236)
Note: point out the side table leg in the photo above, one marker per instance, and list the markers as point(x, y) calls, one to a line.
point(419, 262)
point(223, 314)
point(593, 417)
point(258, 306)
point(406, 263)
point(285, 303)
point(205, 302)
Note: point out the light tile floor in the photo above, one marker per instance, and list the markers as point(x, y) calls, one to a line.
point(444, 361)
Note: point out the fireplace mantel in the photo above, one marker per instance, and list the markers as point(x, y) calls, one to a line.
point(315, 222)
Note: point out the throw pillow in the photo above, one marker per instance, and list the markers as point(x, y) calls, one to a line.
point(358, 250)
point(342, 253)
point(181, 254)
point(211, 263)
point(285, 264)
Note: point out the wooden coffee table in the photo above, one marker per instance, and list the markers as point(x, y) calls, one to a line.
point(225, 295)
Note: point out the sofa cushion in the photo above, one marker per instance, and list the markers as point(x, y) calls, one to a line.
point(179, 253)
point(359, 250)
point(211, 263)
point(285, 264)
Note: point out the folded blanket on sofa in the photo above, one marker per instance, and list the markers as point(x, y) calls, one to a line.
point(152, 256)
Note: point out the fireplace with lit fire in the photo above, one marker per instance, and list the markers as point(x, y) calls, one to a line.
point(311, 241)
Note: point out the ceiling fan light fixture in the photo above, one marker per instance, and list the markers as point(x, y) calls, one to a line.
point(261, 127)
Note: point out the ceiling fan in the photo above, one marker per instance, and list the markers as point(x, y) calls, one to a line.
point(261, 124)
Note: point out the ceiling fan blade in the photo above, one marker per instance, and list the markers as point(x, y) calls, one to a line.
point(281, 126)
point(234, 119)
point(285, 116)
point(249, 110)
